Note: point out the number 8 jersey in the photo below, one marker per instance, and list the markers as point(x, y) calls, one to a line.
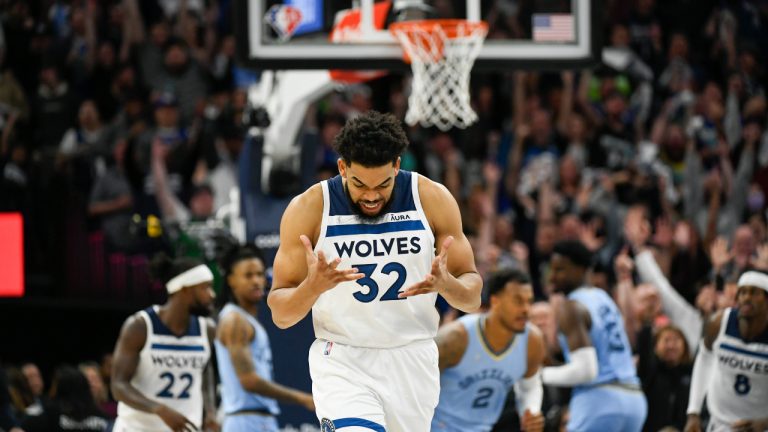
point(738, 388)
point(393, 251)
point(170, 371)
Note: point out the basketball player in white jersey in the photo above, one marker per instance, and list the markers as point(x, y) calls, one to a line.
point(161, 375)
point(483, 355)
point(731, 367)
point(359, 251)
point(248, 393)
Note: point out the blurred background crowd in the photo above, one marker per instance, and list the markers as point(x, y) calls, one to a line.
point(122, 126)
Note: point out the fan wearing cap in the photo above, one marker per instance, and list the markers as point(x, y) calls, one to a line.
point(731, 367)
point(161, 371)
point(606, 390)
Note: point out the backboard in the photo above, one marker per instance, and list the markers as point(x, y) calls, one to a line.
point(524, 34)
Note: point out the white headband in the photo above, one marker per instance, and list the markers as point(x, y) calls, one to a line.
point(191, 277)
point(755, 279)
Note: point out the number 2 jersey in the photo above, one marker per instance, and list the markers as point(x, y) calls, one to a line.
point(472, 393)
point(170, 371)
point(393, 251)
point(738, 388)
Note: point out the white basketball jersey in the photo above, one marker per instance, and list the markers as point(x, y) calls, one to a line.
point(738, 389)
point(394, 252)
point(170, 372)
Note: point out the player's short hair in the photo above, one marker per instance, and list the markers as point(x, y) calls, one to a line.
point(237, 253)
point(501, 278)
point(575, 251)
point(372, 139)
point(227, 263)
point(164, 268)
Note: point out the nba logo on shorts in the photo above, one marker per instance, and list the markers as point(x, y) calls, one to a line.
point(326, 425)
point(284, 19)
point(327, 350)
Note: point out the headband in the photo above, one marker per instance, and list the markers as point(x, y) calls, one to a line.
point(191, 277)
point(755, 279)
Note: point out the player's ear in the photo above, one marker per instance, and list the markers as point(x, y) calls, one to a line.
point(342, 167)
point(397, 165)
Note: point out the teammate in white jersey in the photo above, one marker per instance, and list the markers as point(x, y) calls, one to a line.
point(249, 394)
point(359, 251)
point(731, 367)
point(483, 355)
point(161, 375)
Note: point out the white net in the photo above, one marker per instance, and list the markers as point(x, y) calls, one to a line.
point(442, 53)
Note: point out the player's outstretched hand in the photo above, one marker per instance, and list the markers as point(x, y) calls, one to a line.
point(174, 420)
point(323, 275)
point(532, 422)
point(437, 276)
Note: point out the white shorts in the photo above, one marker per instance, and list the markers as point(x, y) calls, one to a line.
point(374, 389)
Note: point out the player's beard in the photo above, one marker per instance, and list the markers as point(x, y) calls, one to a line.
point(365, 216)
point(200, 309)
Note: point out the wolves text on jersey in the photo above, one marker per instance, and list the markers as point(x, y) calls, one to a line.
point(742, 364)
point(172, 361)
point(378, 247)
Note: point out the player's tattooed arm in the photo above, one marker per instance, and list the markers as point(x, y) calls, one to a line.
point(451, 342)
point(574, 322)
point(236, 334)
point(132, 338)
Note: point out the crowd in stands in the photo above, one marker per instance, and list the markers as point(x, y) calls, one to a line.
point(658, 165)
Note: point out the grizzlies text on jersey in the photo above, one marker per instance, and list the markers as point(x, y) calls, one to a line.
point(473, 392)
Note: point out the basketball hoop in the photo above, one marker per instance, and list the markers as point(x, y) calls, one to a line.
point(441, 53)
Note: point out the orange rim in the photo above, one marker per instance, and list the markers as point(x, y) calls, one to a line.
point(449, 26)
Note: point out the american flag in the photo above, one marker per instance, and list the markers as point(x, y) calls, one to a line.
point(553, 27)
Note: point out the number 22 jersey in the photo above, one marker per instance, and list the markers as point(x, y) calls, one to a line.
point(170, 371)
point(393, 251)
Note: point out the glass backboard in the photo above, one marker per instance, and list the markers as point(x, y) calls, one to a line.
point(526, 34)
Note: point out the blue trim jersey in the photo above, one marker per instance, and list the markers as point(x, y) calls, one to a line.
point(170, 371)
point(738, 389)
point(614, 354)
point(472, 393)
point(233, 397)
point(393, 252)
